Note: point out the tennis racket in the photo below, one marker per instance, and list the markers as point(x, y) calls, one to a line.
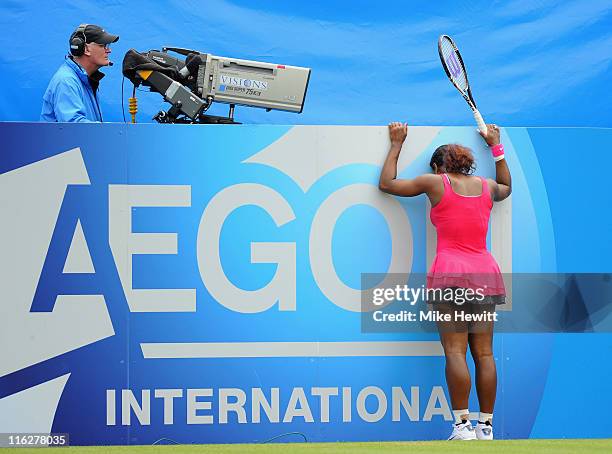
point(455, 70)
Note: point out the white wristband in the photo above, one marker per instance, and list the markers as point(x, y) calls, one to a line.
point(499, 158)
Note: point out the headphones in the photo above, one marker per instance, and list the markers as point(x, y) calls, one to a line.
point(77, 44)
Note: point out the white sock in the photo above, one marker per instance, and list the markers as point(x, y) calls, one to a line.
point(484, 417)
point(460, 415)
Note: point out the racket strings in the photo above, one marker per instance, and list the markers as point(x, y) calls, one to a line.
point(455, 68)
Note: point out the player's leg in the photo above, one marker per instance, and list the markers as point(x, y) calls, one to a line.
point(454, 338)
point(480, 340)
point(457, 373)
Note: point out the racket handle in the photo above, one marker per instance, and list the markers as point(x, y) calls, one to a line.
point(482, 127)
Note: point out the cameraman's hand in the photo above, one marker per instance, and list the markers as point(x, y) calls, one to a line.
point(492, 135)
point(397, 133)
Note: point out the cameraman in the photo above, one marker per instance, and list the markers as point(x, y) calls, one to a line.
point(72, 92)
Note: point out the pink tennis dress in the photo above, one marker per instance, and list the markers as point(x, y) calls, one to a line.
point(462, 259)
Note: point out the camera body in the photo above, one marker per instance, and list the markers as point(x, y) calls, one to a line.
point(252, 83)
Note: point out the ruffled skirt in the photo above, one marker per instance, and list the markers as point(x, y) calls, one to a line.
point(478, 271)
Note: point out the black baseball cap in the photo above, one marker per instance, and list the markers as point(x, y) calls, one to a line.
point(96, 34)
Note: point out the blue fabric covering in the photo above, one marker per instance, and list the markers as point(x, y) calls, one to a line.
point(70, 97)
point(530, 63)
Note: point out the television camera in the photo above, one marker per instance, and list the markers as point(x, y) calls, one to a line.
point(192, 84)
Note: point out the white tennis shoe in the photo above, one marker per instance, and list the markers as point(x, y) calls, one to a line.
point(484, 431)
point(463, 431)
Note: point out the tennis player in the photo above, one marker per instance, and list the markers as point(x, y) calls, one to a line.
point(461, 206)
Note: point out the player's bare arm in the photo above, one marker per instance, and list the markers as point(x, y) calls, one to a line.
point(389, 182)
point(501, 187)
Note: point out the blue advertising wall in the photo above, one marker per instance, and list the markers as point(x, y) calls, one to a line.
point(165, 281)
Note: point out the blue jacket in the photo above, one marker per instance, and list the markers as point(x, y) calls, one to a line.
point(70, 96)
